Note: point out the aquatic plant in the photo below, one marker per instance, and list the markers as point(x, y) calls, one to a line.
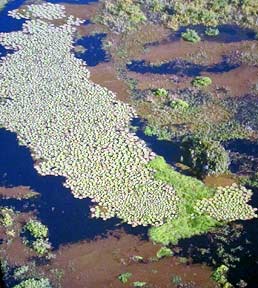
point(139, 284)
point(41, 246)
point(220, 276)
point(204, 156)
point(164, 252)
point(20, 272)
point(201, 81)
point(124, 277)
point(191, 35)
point(6, 217)
point(3, 3)
point(34, 283)
point(228, 204)
point(189, 222)
point(179, 104)
point(211, 31)
point(36, 229)
point(161, 92)
point(251, 181)
point(77, 127)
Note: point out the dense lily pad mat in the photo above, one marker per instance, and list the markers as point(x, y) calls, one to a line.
point(76, 128)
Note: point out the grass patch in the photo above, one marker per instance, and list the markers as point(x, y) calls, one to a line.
point(189, 190)
point(124, 277)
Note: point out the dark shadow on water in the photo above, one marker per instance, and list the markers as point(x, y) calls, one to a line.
point(94, 53)
point(66, 217)
point(180, 67)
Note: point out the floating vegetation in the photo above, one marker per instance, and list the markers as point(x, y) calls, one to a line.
point(220, 276)
point(201, 81)
point(77, 128)
point(228, 204)
point(191, 35)
point(210, 31)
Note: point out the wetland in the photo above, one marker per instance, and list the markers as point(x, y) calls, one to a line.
point(128, 143)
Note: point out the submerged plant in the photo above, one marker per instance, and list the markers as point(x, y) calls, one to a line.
point(191, 35)
point(201, 81)
point(41, 246)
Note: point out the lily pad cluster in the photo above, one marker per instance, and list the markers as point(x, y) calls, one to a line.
point(228, 204)
point(77, 129)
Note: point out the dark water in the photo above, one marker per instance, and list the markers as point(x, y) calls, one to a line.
point(94, 53)
point(66, 217)
point(181, 67)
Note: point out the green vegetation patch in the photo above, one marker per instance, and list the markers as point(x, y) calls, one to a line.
point(201, 81)
point(6, 217)
point(124, 277)
point(139, 284)
point(179, 104)
point(189, 190)
point(161, 92)
point(36, 229)
point(34, 283)
point(205, 157)
point(191, 35)
point(164, 252)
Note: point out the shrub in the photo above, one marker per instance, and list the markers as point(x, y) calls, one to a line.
point(220, 276)
point(204, 156)
point(201, 81)
point(36, 229)
point(161, 92)
point(124, 277)
point(179, 104)
point(176, 279)
point(191, 35)
point(164, 252)
point(41, 246)
point(210, 31)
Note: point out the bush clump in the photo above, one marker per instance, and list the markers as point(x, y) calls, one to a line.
point(161, 92)
point(205, 157)
point(191, 35)
point(201, 81)
point(34, 283)
point(124, 277)
point(179, 104)
point(164, 252)
point(6, 217)
point(36, 229)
